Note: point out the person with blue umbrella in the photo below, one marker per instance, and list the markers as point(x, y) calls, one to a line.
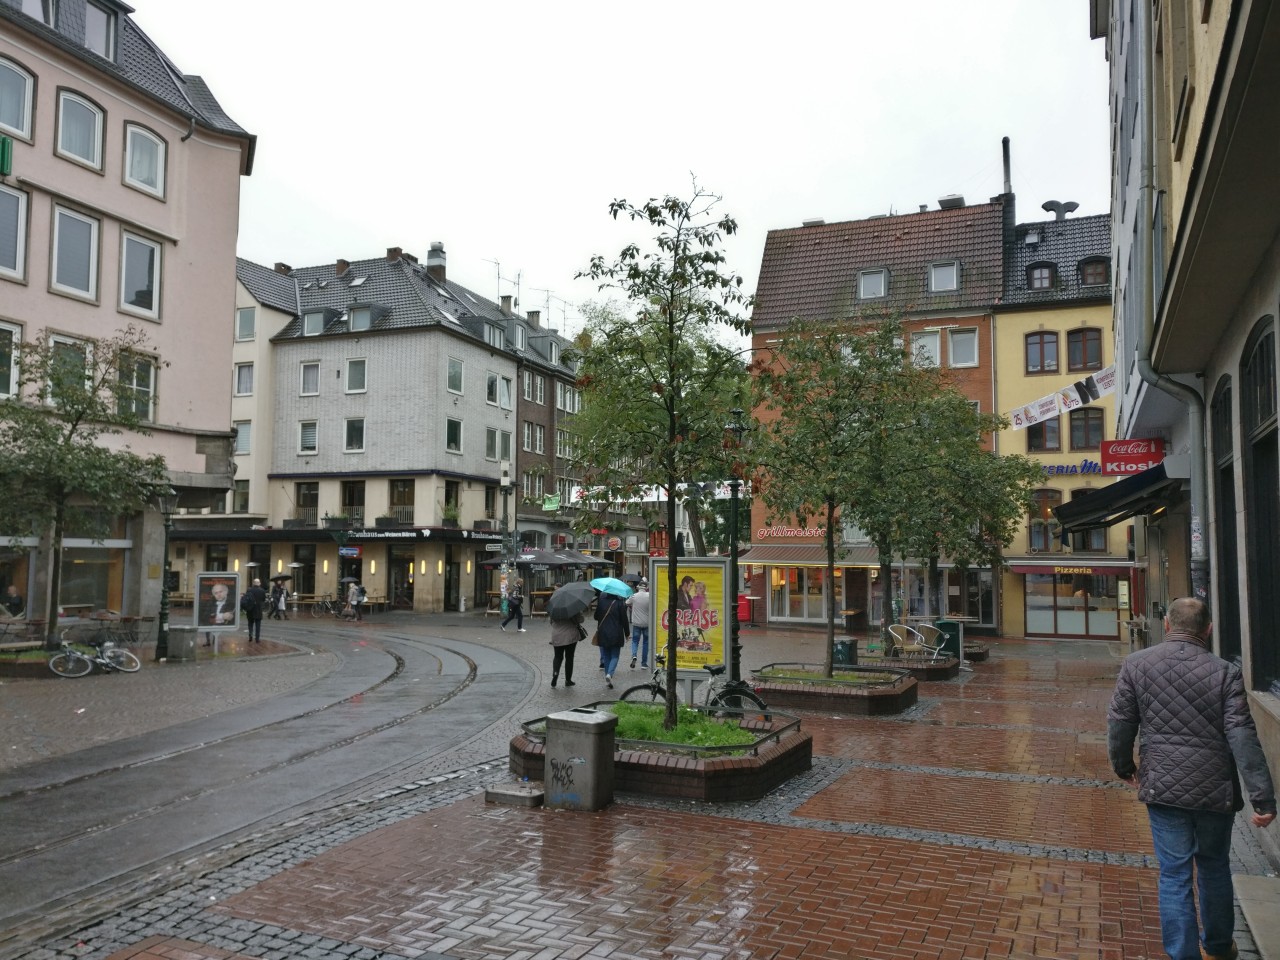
point(611, 622)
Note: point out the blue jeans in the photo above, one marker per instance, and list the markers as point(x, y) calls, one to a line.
point(609, 657)
point(1203, 837)
point(639, 634)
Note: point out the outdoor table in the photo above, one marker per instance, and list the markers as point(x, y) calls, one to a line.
point(494, 603)
point(751, 610)
point(538, 602)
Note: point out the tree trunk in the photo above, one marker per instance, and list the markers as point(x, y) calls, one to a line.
point(935, 589)
point(830, 544)
point(694, 508)
point(886, 593)
point(55, 577)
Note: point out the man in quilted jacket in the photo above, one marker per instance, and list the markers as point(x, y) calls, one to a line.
point(1196, 734)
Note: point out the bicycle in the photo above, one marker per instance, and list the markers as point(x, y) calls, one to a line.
point(70, 662)
point(325, 606)
point(720, 696)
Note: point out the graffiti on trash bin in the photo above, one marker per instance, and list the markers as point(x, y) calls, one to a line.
point(562, 772)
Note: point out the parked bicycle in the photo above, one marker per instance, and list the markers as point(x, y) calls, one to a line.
point(325, 606)
point(71, 662)
point(720, 695)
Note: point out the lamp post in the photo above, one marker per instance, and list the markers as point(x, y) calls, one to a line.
point(737, 428)
point(508, 552)
point(167, 504)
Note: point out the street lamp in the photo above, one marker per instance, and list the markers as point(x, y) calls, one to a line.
point(167, 504)
point(508, 551)
point(737, 428)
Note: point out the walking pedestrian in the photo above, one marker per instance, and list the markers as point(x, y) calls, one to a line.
point(565, 636)
point(1196, 732)
point(278, 596)
point(639, 605)
point(354, 596)
point(515, 607)
point(255, 602)
point(611, 629)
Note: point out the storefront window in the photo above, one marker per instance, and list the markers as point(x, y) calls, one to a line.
point(1072, 605)
point(92, 579)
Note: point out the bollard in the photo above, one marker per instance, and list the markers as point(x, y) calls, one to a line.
point(578, 772)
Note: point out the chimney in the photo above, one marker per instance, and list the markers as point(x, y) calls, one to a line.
point(1059, 209)
point(340, 268)
point(393, 254)
point(435, 262)
point(924, 208)
point(535, 318)
point(506, 302)
point(1008, 177)
point(284, 268)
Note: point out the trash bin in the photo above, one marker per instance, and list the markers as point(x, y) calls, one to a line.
point(744, 608)
point(950, 637)
point(578, 773)
point(842, 655)
point(182, 643)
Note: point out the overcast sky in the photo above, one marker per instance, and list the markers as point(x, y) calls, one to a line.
point(505, 129)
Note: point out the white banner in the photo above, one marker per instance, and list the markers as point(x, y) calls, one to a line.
point(1071, 397)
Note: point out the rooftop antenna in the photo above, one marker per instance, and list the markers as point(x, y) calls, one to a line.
point(498, 286)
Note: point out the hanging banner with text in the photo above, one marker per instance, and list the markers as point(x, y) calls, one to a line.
point(1071, 397)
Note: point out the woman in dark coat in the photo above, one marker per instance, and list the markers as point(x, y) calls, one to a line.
point(612, 628)
point(565, 635)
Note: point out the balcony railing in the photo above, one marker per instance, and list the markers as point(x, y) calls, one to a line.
point(308, 515)
point(403, 514)
point(356, 514)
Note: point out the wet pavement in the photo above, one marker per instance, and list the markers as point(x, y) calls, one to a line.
point(983, 823)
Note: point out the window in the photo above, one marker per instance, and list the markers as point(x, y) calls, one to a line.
point(361, 318)
point(75, 253)
point(453, 435)
point(137, 387)
point(308, 441)
point(1042, 526)
point(356, 376)
point(140, 276)
point(1040, 276)
point(144, 154)
point(100, 30)
point(1084, 349)
point(944, 276)
point(69, 367)
point(1042, 352)
point(79, 130)
point(244, 379)
point(541, 384)
point(240, 497)
point(520, 334)
point(16, 86)
point(527, 386)
point(564, 448)
point(964, 348)
point(1088, 540)
point(1086, 429)
point(491, 388)
point(313, 323)
point(13, 232)
point(554, 352)
point(925, 348)
point(10, 337)
point(244, 435)
point(505, 394)
point(354, 442)
point(1095, 273)
point(504, 450)
point(310, 379)
point(540, 439)
point(491, 444)
point(493, 336)
point(455, 375)
point(42, 10)
point(246, 323)
point(528, 435)
point(498, 391)
point(872, 284)
point(1044, 437)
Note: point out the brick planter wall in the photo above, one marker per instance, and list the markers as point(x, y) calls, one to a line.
point(946, 668)
point(687, 777)
point(861, 700)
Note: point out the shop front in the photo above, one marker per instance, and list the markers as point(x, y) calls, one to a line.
point(1072, 601)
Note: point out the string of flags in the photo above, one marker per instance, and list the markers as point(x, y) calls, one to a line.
point(1071, 397)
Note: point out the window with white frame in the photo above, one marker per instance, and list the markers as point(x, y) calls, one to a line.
point(491, 444)
point(144, 156)
point(69, 366)
point(244, 379)
point(246, 323)
point(308, 437)
point(505, 394)
point(454, 382)
point(520, 335)
point(527, 385)
point(528, 435)
point(100, 30)
point(313, 323)
point(42, 10)
point(79, 129)
point(13, 233)
point(244, 436)
point(75, 253)
point(564, 448)
point(309, 378)
point(140, 267)
point(554, 352)
point(356, 382)
point(540, 385)
point(926, 348)
point(540, 439)
point(532, 485)
point(963, 348)
point(354, 442)
point(491, 388)
point(493, 336)
point(453, 435)
point(504, 445)
point(361, 318)
point(873, 284)
point(944, 276)
point(240, 497)
point(137, 387)
point(10, 338)
point(16, 87)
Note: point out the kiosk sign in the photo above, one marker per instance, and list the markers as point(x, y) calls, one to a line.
point(1126, 457)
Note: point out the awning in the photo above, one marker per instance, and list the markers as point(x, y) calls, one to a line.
point(1066, 568)
point(1141, 493)
point(806, 555)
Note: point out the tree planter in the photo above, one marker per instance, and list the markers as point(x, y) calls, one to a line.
point(924, 670)
point(449, 524)
point(842, 694)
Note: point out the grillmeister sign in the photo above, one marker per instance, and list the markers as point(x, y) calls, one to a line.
point(1120, 457)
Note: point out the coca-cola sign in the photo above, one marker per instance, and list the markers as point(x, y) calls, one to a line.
point(1123, 457)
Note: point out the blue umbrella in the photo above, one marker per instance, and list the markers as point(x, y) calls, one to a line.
point(612, 585)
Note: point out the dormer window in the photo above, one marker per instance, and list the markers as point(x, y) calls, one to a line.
point(520, 335)
point(1040, 276)
point(493, 336)
point(944, 276)
point(42, 10)
point(873, 284)
point(1095, 273)
point(555, 352)
point(312, 323)
point(361, 318)
point(100, 30)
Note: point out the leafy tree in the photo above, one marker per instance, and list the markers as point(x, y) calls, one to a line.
point(654, 381)
point(66, 463)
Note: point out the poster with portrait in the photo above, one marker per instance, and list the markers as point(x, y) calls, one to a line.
point(702, 611)
point(217, 605)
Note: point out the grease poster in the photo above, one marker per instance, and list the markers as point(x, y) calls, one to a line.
point(702, 614)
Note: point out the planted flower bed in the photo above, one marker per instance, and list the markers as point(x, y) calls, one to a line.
point(862, 690)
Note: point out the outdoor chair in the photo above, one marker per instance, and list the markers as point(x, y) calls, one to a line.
point(932, 639)
point(907, 641)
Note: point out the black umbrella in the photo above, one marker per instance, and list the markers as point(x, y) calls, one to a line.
point(349, 580)
point(631, 578)
point(570, 600)
point(282, 576)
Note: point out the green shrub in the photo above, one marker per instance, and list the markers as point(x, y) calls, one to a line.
point(637, 721)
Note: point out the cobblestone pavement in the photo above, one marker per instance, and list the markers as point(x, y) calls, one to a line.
point(983, 823)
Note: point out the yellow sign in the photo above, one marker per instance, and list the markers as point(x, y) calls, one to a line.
point(702, 616)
